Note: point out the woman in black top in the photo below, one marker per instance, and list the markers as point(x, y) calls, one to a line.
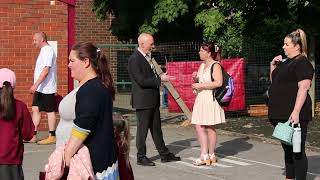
point(289, 99)
point(93, 125)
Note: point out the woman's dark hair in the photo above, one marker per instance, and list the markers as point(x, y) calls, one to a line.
point(98, 62)
point(213, 48)
point(298, 37)
point(7, 103)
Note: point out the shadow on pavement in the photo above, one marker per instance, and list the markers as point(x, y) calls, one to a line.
point(177, 146)
point(313, 168)
point(228, 148)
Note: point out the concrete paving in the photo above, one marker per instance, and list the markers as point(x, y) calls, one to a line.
point(238, 158)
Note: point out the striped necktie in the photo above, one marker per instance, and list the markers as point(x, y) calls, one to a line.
point(148, 58)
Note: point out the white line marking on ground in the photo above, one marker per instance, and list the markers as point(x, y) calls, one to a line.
point(216, 164)
point(191, 165)
point(248, 160)
point(194, 172)
point(234, 162)
point(185, 170)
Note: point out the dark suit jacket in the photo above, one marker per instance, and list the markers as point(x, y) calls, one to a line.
point(145, 84)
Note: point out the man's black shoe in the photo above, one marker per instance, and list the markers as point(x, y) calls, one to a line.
point(144, 161)
point(170, 157)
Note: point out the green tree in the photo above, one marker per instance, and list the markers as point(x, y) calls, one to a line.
point(132, 17)
point(231, 23)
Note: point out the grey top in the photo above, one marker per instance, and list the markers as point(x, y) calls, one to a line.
point(67, 116)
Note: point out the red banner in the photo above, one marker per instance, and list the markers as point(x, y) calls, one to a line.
point(183, 73)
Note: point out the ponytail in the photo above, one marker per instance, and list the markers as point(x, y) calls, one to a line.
point(7, 103)
point(304, 46)
point(218, 53)
point(103, 72)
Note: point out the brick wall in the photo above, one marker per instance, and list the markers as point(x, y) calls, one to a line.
point(87, 28)
point(19, 20)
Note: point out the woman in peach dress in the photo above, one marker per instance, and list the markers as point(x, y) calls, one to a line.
point(206, 111)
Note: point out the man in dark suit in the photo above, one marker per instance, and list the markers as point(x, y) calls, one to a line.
point(146, 100)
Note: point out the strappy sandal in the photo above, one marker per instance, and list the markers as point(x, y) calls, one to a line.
point(213, 159)
point(204, 161)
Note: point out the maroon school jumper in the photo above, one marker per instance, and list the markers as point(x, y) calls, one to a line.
point(12, 134)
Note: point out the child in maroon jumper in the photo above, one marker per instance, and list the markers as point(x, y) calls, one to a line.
point(122, 136)
point(15, 126)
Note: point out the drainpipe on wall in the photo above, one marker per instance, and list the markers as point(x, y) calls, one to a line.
point(71, 34)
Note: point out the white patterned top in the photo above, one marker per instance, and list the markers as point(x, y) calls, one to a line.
point(67, 116)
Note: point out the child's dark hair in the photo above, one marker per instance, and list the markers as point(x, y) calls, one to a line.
point(122, 128)
point(212, 48)
point(7, 103)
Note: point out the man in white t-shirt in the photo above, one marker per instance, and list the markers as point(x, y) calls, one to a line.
point(44, 87)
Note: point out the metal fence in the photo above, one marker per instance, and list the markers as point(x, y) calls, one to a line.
point(257, 57)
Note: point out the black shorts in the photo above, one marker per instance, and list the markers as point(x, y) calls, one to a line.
point(45, 102)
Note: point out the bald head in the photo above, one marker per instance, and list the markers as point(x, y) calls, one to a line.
point(145, 42)
point(143, 37)
point(41, 35)
point(40, 39)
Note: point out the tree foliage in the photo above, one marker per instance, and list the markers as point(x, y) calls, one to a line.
point(228, 22)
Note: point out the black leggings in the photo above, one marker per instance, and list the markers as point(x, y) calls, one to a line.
point(296, 164)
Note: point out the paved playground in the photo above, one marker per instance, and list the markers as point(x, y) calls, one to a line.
point(239, 158)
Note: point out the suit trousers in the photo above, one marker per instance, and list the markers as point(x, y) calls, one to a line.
point(149, 119)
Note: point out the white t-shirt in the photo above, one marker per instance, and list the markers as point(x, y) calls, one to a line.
point(46, 58)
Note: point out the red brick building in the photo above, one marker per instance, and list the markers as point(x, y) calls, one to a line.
point(66, 22)
point(87, 28)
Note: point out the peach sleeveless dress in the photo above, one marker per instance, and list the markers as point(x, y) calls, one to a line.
point(206, 111)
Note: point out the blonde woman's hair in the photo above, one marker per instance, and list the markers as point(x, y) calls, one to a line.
point(299, 37)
